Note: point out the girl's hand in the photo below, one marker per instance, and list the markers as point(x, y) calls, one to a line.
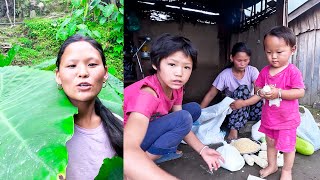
point(212, 158)
point(237, 104)
point(273, 94)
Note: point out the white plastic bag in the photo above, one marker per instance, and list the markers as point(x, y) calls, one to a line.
point(208, 128)
point(255, 134)
point(308, 129)
point(251, 177)
point(233, 161)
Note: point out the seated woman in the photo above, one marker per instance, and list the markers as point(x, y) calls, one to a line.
point(237, 82)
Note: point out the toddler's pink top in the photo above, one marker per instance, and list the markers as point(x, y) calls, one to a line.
point(136, 100)
point(286, 116)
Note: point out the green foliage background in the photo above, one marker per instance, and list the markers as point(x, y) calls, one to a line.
point(40, 38)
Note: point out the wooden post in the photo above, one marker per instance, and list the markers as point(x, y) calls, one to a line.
point(282, 12)
point(224, 36)
point(14, 12)
point(8, 14)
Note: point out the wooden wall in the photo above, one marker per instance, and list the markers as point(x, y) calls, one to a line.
point(307, 57)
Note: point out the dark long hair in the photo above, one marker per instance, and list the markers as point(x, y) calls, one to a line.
point(238, 47)
point(113, 125)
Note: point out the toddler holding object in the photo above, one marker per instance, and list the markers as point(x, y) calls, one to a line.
point(280, 121)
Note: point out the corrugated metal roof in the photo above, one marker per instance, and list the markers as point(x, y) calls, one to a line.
point(230, 12)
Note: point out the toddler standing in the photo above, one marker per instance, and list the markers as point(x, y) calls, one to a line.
point(279, 121)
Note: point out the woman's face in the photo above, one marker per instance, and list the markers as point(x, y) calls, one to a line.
point(241, 60)
point(81, 72)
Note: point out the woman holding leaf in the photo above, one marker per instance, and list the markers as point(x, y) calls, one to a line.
point(98, 133)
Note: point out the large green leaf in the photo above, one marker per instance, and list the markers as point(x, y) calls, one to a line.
point(36, 120)
point(112, 95)
point(48, 65)
point(111, 169)
point(115, 83)
point(6, 60)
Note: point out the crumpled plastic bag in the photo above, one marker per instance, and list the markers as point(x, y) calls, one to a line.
point(207, 127)
point(251, 177)
point(255, 134)
point(233, 161)
point(308, 129)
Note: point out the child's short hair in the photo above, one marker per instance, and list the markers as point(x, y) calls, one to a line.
point(283, 32)
point(167, 44)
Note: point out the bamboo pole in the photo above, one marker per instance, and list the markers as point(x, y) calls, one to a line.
point(14, 12)
point(8, 11)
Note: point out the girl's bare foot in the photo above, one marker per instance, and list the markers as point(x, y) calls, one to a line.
point(233, 134)
point(154, 157)
point(267, 171)
point(286, 175)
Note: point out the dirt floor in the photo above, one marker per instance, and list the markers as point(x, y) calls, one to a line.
point(191, 166)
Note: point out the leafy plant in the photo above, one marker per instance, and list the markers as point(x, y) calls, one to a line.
point(101, 21)
point(111, 169)
point(36, 120)
point(37, 40)
point(25, 41)
point(6, 60)
point(95, 11)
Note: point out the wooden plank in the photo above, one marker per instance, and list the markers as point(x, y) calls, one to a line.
point(311, 49)
point(296, 28)
point(294, 56)
point(314, 16)
point(311, 66)
point(302, 52)
point(310, 20)
point(293, 26)
point(299, 27)
point(297, 54)
point(304, 25)
point(307, 63)
point(317, 12)
point(316, 77)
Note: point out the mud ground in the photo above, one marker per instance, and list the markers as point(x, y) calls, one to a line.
point(191, 166)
